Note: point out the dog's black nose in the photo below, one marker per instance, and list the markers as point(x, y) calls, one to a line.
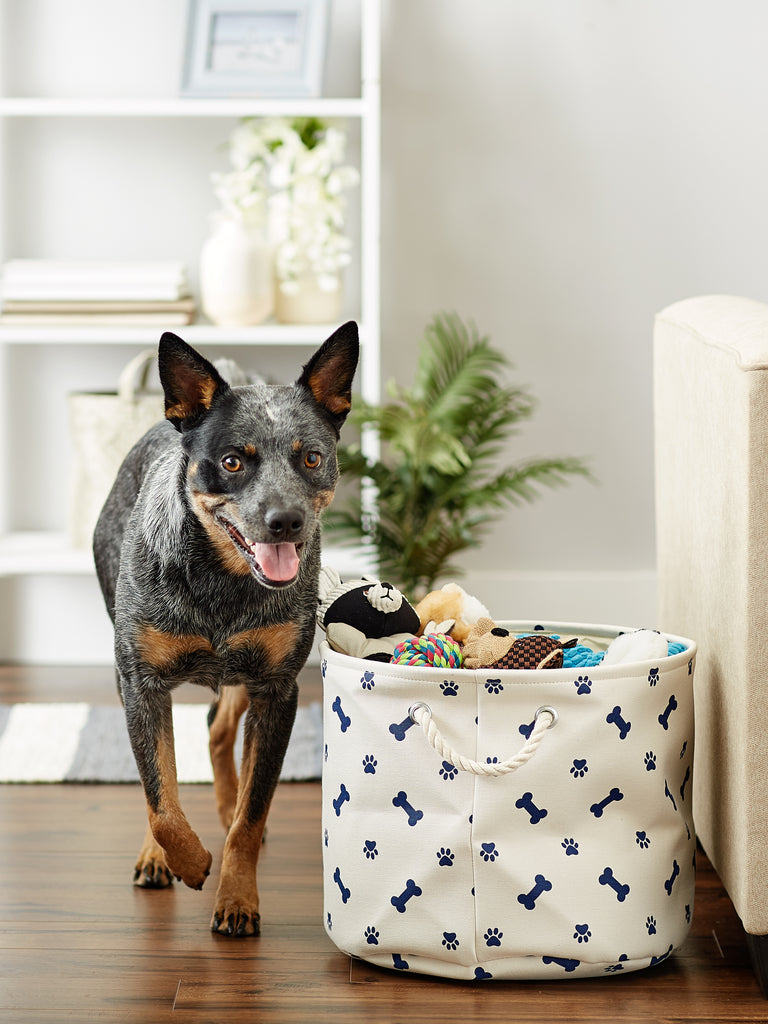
point(284, 523)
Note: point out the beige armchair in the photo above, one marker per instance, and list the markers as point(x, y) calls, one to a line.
point(711, 420)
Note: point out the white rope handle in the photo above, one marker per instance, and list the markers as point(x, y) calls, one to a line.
point(546, 717)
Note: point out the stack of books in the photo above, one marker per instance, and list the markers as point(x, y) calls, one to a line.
point(53, 292)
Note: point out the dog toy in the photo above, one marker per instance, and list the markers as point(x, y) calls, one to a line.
point(638, 645)
point(435, 650)
point(449, 610)
point(363, 618)
point(491, 646)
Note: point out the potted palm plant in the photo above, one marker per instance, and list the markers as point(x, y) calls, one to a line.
point(437, 481)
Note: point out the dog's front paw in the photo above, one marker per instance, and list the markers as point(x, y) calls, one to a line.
point(192, 868)
point(237, 918)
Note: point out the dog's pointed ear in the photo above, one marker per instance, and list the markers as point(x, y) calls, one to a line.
point(329, 373)
point(190, 382)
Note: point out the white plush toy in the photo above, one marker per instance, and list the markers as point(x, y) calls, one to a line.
point(638, 645)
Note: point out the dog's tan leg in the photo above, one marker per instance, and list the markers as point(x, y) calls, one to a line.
point(150, 726)
point(267, 730)
point(226, 714)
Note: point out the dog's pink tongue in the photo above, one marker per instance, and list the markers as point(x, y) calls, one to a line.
point(279, 562)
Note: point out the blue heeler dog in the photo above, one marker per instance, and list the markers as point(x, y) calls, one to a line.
point(208, 552)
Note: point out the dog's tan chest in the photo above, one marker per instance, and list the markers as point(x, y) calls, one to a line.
point(164, 651)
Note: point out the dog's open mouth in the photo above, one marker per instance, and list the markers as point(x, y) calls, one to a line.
point(276, 565)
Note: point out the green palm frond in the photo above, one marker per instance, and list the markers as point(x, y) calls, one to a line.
point(438, 483)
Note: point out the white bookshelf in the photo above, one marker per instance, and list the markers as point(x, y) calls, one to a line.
point(31, 552)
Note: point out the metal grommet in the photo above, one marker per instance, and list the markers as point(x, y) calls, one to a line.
point(419, 704)
point(551, 711)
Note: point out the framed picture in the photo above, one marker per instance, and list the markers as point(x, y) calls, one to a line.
point(255, 47)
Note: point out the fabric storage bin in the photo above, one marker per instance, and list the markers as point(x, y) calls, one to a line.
point(579, 862)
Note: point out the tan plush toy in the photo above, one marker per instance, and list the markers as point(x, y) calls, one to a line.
point(449, 610)
point(492, 646)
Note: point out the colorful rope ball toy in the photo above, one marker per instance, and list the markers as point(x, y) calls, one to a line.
point(435, 650)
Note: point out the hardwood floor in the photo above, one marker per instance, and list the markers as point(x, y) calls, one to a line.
point(78, 943)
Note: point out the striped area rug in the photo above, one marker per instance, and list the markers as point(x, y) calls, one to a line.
point(89, 743)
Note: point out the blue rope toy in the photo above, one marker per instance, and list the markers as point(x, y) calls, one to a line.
point(581, 656)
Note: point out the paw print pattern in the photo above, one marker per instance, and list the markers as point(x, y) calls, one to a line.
point(653, 676)
point(650, 761)
point(582, 933)
point(367, 681)
point(583, 685)
point(450, 940)
point(643, 840)
point(371, 936)
point(579, 768)
point(493, 937)
point(493, 685)
point(489, 853)
point(448, 688)
point(448, 772)
point(370, 764)
point(650, 924)
point(445, 857)
point(370, 849)
point(571, 847)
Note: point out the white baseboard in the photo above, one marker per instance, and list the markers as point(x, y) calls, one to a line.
point(62, 621)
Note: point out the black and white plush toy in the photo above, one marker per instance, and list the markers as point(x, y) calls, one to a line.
point(364, 618)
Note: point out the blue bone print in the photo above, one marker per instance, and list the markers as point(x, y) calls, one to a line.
point(398, 963)
point(345, 893)
point(401, 800)
point(621, 890)
point(411, 890)
point(660, 959)
point(561, 961)
point(526, 730)
point(340, 800)
point(664, 716)
point(399, 729)
point(613, 797)
point(614, 718)
point(685, 782)
point(667, 793)
point(482, 975)
point(528, 899)
point(525, 803)
point(671, 880)
point(345, 720)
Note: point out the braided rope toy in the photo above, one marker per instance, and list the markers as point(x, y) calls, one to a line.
point(435, 650)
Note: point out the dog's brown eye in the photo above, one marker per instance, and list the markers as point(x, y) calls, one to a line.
point(232, 463)
point(312, 460)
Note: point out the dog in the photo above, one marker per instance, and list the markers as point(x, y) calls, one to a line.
point(207, 552)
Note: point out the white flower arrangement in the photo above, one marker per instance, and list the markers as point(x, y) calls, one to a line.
point(292, 172)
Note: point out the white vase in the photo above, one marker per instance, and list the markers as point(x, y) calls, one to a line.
point(305, 302)
point(236, 274)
